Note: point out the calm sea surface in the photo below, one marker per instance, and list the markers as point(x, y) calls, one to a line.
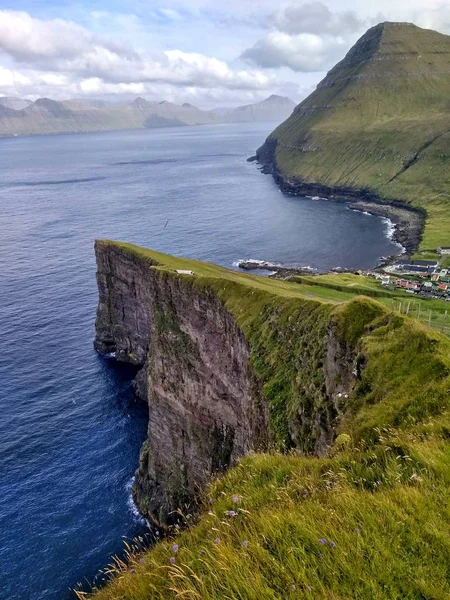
point(70, 428)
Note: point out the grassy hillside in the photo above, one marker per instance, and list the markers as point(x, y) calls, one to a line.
point(369, 520)
point(379, 121)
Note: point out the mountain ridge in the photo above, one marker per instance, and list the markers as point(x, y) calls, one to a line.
point(45, 115)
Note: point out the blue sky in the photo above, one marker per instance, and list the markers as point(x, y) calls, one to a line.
point(197, 51)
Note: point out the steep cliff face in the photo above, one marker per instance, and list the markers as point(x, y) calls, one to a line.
point(230, 364)
point(205, 404)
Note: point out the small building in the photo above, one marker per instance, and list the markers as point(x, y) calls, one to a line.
point(435, 277)
point(409, 262)
point(443, 250)
point(403, 283)
point(443, 287)
point(184, 272)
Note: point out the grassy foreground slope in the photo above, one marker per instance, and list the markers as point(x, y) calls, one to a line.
point(369, 520)
point(379, 122)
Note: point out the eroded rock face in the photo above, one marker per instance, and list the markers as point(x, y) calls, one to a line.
point(205, 404)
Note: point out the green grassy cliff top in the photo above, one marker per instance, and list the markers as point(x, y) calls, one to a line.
point(370, 519)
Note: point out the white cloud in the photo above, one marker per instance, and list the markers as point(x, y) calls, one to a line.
point(315, 17)
point(305, 52)
point(10, 79)
point(188, 50)
point(307, 38)
point(74, 54)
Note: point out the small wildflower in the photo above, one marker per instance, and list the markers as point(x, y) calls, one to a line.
point(175, 547)
point(157, 533)
point(231, 513)
point(322, 541)
point(132, 570)
point(245, 544)
point(293, 588)
point(217, 540)
point(142, 561)
point(333, 544)
point(235, 499)
point(172, 560)
point(202, 552)
point(210, 500)
point(358, 530)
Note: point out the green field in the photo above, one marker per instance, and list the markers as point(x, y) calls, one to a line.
point(380, 122)
point(368, 521)
point(341, 287)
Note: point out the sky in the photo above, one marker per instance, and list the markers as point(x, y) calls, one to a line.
point(205, 52)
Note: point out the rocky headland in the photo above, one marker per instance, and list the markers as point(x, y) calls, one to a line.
point(207, 377)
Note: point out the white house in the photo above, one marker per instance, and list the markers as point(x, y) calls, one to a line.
point(184, 272)
point(443, 250)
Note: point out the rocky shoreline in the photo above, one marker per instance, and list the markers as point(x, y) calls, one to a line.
point(409, 222)
point(283, 272)
point(278, 271)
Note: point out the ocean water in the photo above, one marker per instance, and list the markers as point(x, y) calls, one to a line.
point(70, 427)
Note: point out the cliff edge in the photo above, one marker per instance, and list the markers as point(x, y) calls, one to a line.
point(230, 364)
point(350, 398)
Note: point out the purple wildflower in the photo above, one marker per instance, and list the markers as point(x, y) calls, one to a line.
point(333, 544)
point(235, 499)
point(132, 570)
point(231, 513)
point(142, 561)
point(202, 552)
point(358, 530)
point(245, 544)
point(175, 547)
point(322, 541)
point(172, 560)
point(217, 540)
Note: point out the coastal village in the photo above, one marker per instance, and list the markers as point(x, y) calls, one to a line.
point(425, 278)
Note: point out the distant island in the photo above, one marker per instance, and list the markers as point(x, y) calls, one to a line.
point(43, 116)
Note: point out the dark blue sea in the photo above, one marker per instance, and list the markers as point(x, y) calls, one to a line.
point(70, 427)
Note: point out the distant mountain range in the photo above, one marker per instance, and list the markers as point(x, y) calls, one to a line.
point(23, 117)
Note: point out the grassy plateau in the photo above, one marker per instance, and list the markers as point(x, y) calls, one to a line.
point(368, 520)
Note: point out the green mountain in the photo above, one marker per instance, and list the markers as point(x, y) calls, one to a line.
point(378, 123)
